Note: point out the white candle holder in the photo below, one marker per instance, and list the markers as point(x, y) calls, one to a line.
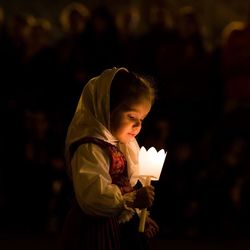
point(150, 166)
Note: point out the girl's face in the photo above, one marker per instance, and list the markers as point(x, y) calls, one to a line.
point(126, 123)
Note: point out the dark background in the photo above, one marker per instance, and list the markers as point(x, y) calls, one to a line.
point(213, 14)
point(201, 115)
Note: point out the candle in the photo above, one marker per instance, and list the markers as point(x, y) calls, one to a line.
point(150, 166)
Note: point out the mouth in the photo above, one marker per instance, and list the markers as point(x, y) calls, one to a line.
point(132, 135)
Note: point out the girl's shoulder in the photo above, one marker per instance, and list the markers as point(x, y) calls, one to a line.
point(93, 140)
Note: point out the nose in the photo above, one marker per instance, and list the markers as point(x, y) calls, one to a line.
point(137, 124)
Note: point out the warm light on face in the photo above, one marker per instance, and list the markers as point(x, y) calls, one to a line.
point(125, 124)
point(151, 162)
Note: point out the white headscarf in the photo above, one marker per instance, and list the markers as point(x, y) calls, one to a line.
point(92, 119)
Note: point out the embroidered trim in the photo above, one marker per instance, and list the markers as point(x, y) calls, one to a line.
point(128, 213)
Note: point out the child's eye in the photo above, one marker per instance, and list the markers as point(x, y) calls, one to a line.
point(131, 117)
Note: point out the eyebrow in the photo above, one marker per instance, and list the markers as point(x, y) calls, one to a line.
point(132, 110)
point(128, 108)
point(125, 107)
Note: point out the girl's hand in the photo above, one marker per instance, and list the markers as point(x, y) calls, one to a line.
point(151, 228)
point(144, 197)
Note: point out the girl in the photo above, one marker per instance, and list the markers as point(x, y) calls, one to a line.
point(101, 154)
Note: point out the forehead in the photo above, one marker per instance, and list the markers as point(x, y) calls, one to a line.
point(140, 106)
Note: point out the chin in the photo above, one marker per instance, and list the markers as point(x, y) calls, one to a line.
point(127, 139)
point(131, 140)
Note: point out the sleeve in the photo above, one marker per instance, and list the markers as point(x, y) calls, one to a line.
point(93, 186)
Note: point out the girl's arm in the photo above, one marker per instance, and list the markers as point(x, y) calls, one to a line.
point(93, 186)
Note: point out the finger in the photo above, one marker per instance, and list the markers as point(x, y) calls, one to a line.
point(150, 232)
point(155, 225)
point(152, 223)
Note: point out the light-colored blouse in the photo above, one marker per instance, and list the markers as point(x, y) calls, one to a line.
point(93, 186)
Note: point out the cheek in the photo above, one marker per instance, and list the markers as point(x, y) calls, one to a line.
point(118, 127)
point(125, 126)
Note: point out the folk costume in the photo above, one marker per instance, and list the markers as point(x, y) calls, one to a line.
point(104, 176)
